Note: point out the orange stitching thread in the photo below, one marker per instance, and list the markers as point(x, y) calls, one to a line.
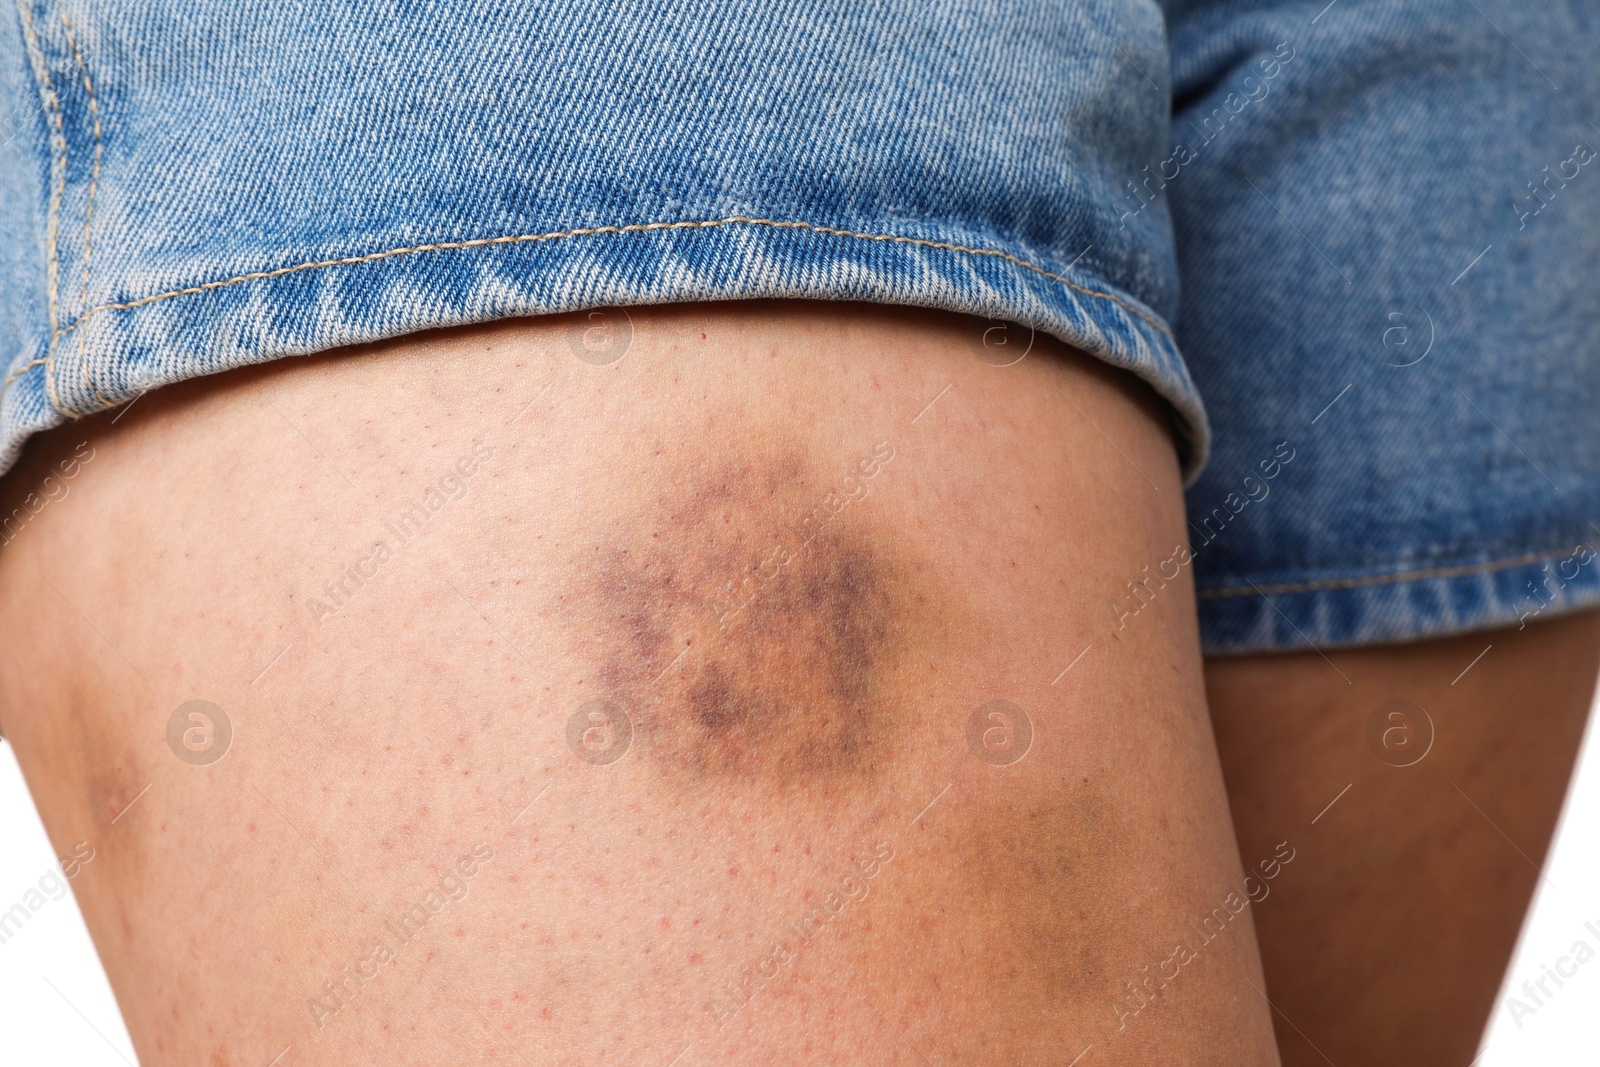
point(638, 227)
point(590, 231)
point(94, 177)
point(58, 164)
point(88, 216)
point(1380, 579)
point(26, 367)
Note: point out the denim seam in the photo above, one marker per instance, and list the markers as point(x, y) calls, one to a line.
point(51, 105)
point(589, 231)
point(1383, 579)
point(481, 242)
point(94, 182)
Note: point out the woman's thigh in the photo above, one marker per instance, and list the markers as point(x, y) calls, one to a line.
point(720, 682)
point(1425, 782)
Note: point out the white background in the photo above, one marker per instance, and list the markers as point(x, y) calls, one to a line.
point(56, 1006)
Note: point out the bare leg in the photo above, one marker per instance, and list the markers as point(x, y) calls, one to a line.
point(780, 558)
point(1387, 941)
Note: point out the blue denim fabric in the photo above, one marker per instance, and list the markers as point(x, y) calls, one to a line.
point(187, 188)
point(269, 180)
point(1404, 224)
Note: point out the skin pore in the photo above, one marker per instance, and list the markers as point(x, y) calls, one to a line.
point(1388, 945)
point(756, 625)
point(762, 678)
point(617, 712)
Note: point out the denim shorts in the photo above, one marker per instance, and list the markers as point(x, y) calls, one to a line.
point(1354, 245)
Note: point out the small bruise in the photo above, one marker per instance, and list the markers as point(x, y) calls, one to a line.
point(757, 624)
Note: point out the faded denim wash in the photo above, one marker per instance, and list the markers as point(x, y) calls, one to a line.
point(191, 187)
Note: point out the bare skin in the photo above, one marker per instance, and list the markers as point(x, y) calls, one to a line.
point(418, 847)
point(1388, 943)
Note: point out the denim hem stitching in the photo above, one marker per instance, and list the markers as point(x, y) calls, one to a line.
point(636, 227)
point(51, 105)
point(1381, 579)
point(94, 183)
point(641, 227)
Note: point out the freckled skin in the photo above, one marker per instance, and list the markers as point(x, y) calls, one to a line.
point(608, 534)
point(755, 630)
